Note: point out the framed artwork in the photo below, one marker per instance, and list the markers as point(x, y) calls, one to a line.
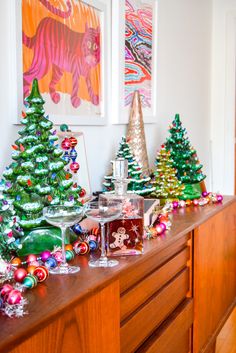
point(134, 57)
point(64, 44)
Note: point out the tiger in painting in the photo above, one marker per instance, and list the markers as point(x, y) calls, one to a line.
point(58, 47)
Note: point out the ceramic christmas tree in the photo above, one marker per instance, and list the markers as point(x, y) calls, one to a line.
point(189, 170)
point(36, 178)
point(138, 183)
point(167, 185)
point(136, 133)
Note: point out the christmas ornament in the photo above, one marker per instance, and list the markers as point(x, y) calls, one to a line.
point(20, 274)
point(51, 262)
point(14, 297)
point(73, 141)
point(65, 145)
point(30, 281)
point(66, 157)
point(73, 154)
point(82, 193)
point(136, 133)
point(74, 167)
point(41, 273)
point(45, 255)
point(64, 127)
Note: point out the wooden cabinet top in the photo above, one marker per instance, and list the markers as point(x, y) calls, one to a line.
point(61, 293)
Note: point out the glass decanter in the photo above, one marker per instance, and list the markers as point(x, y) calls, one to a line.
point(125, 234)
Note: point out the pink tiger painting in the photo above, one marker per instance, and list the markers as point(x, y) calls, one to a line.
point(55, 46)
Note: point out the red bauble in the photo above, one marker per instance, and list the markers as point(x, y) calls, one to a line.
point(65, 145)
point(7, 288)
point(14, 297)
point(41, 273)
point(81, 248)
point(20, 274)
point(195, 202)
point(31, 258)
point(73, 141)
point(82, 193)
point(74, 167)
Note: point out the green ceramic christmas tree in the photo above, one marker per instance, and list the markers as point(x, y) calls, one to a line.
point(165, 181)
point(189, 170)
point(138, 183)
point(36, 178)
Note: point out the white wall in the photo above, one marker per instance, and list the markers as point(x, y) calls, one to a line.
point(184, 66)
point(223, 94)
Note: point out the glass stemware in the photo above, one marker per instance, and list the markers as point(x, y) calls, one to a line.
point(63, 217)
point(103, 212)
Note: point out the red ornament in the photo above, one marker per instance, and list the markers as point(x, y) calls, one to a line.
point(82, 193)
point(14, 297)
point(49, 198)
point(81, 248)
point(31, 258)
point(5, 290)
point(74, 167)
point(65, 145)
point(14, 147)
point(73, 141)
point(23, 114)
point(41, 273)
point(67, 176)
point(1, 219)
point(20, 274)
point(29, 182)
point(195, 202)
point(22, 148)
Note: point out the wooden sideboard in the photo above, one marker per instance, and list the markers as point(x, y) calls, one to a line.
point(172, 299)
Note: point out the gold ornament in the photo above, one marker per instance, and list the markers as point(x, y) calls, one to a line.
point(136, 133)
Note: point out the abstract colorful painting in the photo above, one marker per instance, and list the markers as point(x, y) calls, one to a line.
point(61, 47)
point(138, 50)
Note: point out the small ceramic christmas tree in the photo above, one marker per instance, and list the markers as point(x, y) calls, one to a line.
point(185, 159)
point(37, 177)
point(138, 183)
point(165, 180)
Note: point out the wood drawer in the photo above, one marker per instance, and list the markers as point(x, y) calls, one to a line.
point(173, 336)
point(138, 294)
point(141, 324)
point(145, 266)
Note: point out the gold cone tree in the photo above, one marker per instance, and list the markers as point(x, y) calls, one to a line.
point(165, 179)
point(136, 133)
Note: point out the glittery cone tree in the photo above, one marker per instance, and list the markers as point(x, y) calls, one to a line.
point(165, 180)
point(136, 133)
point(36, 177)
point(138, 183)
point(189, 170)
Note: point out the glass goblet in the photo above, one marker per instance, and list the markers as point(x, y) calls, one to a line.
point(103, 211)
point(63, 217)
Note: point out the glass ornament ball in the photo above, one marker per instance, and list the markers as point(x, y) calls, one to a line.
point(66, 157)
point(41, 273)
point(182, 203)
point(68, 247)
point(219, 198)
point(20, 274)
point(93, 245)
point(30, 269)
point(70, 255)
point(6, 288)
point(16, 262)
point(81, 248)
point(163, 226)
point(31, 258)
point(64, 127)
point(74, 167)
point(188, 203)
point(82, 193)
point(159, 229)
point(195, 202)
point(51, 262)
point(58, 256)
point(14, 297)
point(175, 204)
point(77, 229)
point(73, 154)
point(204, 193)
point(30, 281)
point(45, 255)
point(73, 141)
point(65, 145)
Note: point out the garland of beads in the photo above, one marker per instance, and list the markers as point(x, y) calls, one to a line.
point(162, 222)
point(37, 269)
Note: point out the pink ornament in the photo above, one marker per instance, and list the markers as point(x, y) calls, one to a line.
point(182, 203)
point(219, 198)
point(31, 258)
point(58, 256)
point(195, 202)
point(14, 297)
point(74, 167)
point(204, 193)
point(175, 204)
point(45, 255)
point(163, 226)
point(20, 274)
point(159, 229)
point(5, 290)
point(65, 145)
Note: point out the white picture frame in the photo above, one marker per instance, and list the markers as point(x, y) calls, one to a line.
point(104, 7)
point(120, 112)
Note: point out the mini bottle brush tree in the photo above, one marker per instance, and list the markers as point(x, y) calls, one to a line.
point(138, 183)
point(164, 179)
point(185, 159)
point(36, 178)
